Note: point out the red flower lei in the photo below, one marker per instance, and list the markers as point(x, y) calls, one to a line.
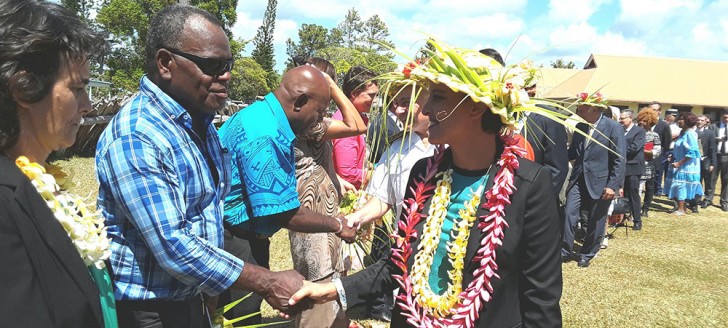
point(491, 225)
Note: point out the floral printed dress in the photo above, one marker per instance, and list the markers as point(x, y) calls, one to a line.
point(685, 180)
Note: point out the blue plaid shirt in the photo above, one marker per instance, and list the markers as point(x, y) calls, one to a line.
point(162, 207)
point(261, 141)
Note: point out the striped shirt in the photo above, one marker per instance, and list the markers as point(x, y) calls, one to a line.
point(162, 206)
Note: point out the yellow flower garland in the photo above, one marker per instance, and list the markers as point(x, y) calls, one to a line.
point(441, 305)
point(84, 226)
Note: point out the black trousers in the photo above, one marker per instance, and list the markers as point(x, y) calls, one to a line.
point(649, 193)
point(381, 246)
point(578, 198)
point(722, 170)
point(251, 251)
point(706, 176)
point(162, 314)
point(632, 193)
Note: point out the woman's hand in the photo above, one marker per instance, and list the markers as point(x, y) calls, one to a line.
point(676, 165)
point(344, 185)
point(318, 292)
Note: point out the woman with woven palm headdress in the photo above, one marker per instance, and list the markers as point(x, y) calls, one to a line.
point(478, 240)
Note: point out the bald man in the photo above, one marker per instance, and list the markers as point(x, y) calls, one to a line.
point(263, 197)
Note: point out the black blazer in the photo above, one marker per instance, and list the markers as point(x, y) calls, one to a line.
point(601, 168)
point(663, 130)
point(548, 140)
point(43, 281)
point(528, 291)
point(635, 140)
point(710, 148)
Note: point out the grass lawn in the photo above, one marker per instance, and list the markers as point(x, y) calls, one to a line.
point(673, 273)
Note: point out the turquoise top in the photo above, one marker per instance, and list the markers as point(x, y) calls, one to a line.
point(464, 183)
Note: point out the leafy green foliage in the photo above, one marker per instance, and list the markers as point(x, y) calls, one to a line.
point(344, 58)
point(127, 22)
point(263, 41)
point(560, 63)
point(249, 80)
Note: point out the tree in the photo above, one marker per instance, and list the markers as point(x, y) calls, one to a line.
point(344, 58)
point(311, 37)
point(128, 20)
point(376, 34)
point(82, 8)
point(350, 29)
point(560, 63)
point(249, 80)
point(263, 41)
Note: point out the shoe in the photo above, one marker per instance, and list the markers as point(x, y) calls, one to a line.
point(677, 213)
point(584, 263)
point(724, 208)
point(637, 226)
point(692, 207)
point(706, 203)
point(645, 213)
point(605, 243)
point(567, 258)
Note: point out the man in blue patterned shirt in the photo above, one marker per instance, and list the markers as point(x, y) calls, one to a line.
point(263, 197)
point(163, 177)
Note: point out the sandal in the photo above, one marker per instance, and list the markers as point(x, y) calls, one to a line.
point(678, 213)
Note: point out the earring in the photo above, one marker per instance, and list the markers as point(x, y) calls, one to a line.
point(296, 109)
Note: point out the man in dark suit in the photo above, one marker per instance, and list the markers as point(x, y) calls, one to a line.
point(598, 164)
point(721, 169)
point(548, 140)
point(635, 141)
point(708, 159)
point(662, 129)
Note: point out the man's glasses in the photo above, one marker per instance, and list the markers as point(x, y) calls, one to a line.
point(210, 66)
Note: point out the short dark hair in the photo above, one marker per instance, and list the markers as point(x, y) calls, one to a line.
point(357, 79)
point(37, 39)
point(491, 122)
point(165, 30)
point(689, 119)
point(323, 65)
point(725, 112)
point(656, 103)
point(492, 53)
point(629, 112)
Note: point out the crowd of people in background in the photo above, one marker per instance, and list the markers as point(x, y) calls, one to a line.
point(189, 209)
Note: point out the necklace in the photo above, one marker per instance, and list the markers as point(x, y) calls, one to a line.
point(440, 305)
point(471, 301)
point(84, 226)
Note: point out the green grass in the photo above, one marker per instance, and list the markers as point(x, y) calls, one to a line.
point(673, 273)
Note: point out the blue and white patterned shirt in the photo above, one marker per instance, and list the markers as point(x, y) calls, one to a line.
point(162, 207)
point(261, 141)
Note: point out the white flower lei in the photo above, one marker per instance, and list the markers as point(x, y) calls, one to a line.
point(84, 226)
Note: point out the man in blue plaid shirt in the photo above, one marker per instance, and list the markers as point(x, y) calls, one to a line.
point(163, 177)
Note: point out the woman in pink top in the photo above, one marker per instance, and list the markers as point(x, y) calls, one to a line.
point(350, 153)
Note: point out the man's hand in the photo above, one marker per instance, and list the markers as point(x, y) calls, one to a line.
point(710, 168)
point(347, 233)
point(608, 194)
point(279, 288)
point(354, 220)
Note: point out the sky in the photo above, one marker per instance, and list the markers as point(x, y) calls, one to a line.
point(542, 31)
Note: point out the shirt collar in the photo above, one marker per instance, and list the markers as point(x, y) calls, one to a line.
point(280, 115)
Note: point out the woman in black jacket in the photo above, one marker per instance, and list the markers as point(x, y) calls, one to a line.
point(478, 243)
point(45, 278)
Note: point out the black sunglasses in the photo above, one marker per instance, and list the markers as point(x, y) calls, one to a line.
point(210, 66)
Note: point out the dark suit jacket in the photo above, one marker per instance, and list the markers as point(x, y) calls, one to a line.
point(529, 262)
point(43, 281)
point(600, 167)
point(548, 140)
point(710, 149)
point(663, 130)
point(380, 143)
point(635, 140)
